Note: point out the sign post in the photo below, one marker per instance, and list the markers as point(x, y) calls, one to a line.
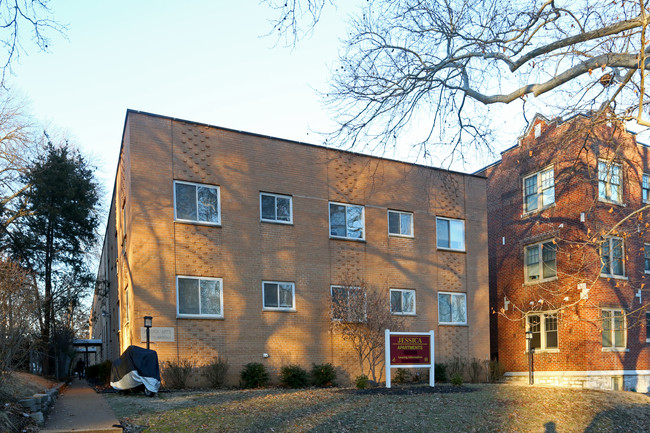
point(409, 350)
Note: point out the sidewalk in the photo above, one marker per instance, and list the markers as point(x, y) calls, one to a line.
point(80, 409)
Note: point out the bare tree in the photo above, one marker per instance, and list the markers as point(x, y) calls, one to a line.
point(289, 22)
point(440, 64)
point(17, 146)
point(360, 315)
point(22, 21)
point(18, 311)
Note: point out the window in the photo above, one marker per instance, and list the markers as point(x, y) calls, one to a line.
point(126, 305)
point(609, 181)
point(646, 255)
point(276, 208)
point(539, 190)
point(278, 296)
point(400, 223)
point(645, 188)
point(123, 215)
point(196, 203)
point(647, 326)
point(452, 308)
point(199, 297)
point(451, 234)
point(613, 329)
point(544, 329)
point(540, 262)
point(348, 303)
point(402, 301)
point(611, 256)
point(346, 221)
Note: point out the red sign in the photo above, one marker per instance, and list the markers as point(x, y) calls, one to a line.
point(410, 349)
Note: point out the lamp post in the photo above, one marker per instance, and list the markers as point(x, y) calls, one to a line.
point(529, 339)
point(147, 324)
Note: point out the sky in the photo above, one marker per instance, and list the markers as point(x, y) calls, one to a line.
point(204, 61)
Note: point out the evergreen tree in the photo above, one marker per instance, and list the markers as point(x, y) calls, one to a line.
point(53, 240)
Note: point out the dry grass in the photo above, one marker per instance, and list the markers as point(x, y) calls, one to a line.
point(489, 408)
point(19, 385)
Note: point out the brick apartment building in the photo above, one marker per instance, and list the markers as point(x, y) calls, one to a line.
point(565, 263)
point(235, 244)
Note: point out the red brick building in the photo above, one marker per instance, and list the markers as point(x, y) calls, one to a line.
point(235, 243)
point(569, 253)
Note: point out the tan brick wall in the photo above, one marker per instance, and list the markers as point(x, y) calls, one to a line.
point(244, 252)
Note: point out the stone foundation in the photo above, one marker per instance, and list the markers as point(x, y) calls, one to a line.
point(615, 380)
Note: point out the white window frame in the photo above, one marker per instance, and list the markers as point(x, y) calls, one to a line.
point(199, 316)
point(123, 216)
point(613, 347)
point(645, 188)
point(647, 326)
point(453, 294)
point(279, 308)
point(543, 337)
point(276, 220)
point(609, 240)
point(540, 263)
point(450, 221)
point(399, 214)
point(348, 289)
point(401, 292)
point(347, 205)
point(606, 180)
point(127, 315)
point(540, 189)
point(646, 258)
point(197, 221)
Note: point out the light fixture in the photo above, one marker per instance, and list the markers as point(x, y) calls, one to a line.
point(148, 322)
point(529, 339)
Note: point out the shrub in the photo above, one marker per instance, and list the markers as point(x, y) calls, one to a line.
point(402, 376)
point(323, 375)
point(457, 379)
point(496, 370)
point(216, 371)
point(440, 373)
point(475, 370)
point(456, 366)
point(99, 373)
point(294, 376)
point(361, 381)
point(175, 374)
point(254, 375)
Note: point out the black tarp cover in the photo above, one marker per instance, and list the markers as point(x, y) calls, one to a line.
point(136, 366)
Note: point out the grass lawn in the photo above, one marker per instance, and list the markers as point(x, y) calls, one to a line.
point(479, 408)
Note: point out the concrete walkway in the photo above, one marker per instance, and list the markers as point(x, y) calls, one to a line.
point(80, 409)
